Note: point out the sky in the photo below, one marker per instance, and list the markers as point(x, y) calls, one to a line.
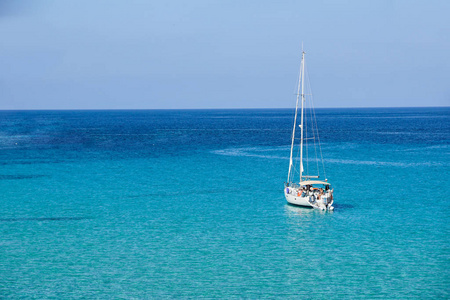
point(176, 54)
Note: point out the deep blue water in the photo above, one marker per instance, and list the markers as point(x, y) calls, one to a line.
point(189, 203)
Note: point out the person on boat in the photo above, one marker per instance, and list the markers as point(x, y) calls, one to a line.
point(330, 200)
point(311, 192)
point(304, 191)
point(320, 194)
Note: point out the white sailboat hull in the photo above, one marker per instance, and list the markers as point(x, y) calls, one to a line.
point(323, 202)
point(297, 200)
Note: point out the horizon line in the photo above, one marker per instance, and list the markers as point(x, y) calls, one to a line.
point(224, 108)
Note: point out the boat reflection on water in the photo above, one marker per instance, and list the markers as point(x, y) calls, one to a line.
point(305, 212)
point(298, 210)
point(304, 220)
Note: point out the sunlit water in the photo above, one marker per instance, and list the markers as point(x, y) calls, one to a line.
point(188, 204)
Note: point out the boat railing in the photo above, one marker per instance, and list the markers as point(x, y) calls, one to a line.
point(293, 185)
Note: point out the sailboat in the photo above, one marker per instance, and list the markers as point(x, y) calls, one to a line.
point(307, 184)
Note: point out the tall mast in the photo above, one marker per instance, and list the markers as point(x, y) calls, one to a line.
point(295, 118)
point(301, 124)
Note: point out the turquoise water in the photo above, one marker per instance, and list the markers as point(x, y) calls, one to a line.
point(190, 204)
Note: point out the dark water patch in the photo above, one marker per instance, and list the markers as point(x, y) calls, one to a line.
point(46, 219)
point(343, 206)
point(16, 177)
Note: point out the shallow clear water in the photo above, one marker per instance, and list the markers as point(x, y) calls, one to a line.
point(170, 204)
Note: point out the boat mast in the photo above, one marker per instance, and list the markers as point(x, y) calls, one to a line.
point(295, 119)
point(301, 124)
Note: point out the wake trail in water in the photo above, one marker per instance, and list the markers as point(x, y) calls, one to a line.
point(249, 152)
